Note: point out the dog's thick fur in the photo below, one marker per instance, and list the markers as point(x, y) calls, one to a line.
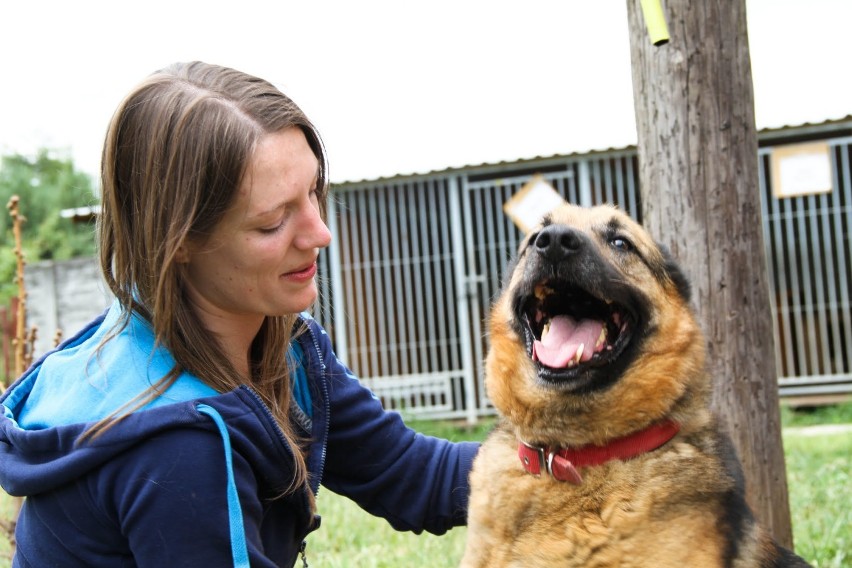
point(681, 505)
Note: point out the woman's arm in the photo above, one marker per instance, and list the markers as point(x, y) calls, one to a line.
point(416, 482)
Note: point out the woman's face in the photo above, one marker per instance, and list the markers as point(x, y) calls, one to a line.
point(260, 259)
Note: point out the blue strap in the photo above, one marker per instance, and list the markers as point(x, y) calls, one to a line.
point(239, 549)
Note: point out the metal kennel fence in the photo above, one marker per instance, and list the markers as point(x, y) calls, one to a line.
point(810, 271)
point(419, 259)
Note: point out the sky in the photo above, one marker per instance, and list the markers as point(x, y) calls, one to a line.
point(395, 87)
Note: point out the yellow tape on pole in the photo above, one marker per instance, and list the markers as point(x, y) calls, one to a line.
point(655, 21)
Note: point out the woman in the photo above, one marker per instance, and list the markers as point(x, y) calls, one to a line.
point(192, 423)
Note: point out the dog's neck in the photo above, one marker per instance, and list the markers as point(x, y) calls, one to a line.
point(562, 463)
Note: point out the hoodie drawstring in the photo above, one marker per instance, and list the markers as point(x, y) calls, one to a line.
point(239, 548)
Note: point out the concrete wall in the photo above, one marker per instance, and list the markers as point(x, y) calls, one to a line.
point(63, 296)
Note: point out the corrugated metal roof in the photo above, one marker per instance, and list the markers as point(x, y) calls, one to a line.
point(501, 164)
point(826, 126)
point(764, 134)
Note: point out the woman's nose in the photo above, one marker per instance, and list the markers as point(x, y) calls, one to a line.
point(314, 232)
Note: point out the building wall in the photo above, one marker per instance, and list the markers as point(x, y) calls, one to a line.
point(63, 296)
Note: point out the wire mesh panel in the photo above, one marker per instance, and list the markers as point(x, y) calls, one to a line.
point(492, 239)
point(810, 270)
point(615, 180)
point(395, 265)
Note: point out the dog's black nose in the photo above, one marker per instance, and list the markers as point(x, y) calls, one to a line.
point(557, 242)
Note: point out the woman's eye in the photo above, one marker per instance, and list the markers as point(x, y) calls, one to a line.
point(271, 230)
point(622, 244)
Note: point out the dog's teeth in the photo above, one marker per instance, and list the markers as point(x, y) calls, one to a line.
point(542, 291)
point(601, 339)
point(579, 354)
point(545, 330)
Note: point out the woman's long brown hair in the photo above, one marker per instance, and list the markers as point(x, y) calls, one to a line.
point(175, 153)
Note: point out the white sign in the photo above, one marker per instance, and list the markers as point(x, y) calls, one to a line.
point(801, 169)
point(533, 201)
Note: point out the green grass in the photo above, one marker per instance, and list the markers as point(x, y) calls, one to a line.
point(820, 492)
point(818, 474)
point(840, 413)
point(349, 537)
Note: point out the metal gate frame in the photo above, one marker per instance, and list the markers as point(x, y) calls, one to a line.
point(397, 303)
point(808, 243)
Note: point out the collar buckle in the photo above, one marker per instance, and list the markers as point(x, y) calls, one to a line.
point(534, 459)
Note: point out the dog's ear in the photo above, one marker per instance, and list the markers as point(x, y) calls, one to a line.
point(675, 273)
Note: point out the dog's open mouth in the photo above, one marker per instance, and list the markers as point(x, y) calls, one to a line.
point(568, 329)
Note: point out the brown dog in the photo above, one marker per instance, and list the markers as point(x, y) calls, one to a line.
point(606, 453)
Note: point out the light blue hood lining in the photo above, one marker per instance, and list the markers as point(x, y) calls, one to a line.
point(87, 382)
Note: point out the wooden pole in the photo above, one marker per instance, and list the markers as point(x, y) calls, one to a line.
point(697, 144)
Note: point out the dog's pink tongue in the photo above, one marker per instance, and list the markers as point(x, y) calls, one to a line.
point(560, 345)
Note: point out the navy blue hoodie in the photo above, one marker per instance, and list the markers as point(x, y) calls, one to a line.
point(198, 478)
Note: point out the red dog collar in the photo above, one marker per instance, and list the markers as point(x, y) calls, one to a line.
point(562, 463)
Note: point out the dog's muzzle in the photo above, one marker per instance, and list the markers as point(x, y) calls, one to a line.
point(573, 309)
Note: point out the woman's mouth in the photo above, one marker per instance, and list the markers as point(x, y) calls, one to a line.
point(302, 274)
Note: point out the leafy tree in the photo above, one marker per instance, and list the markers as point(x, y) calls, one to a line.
point(46, 184)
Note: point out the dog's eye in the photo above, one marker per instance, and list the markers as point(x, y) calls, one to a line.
point(621, 244)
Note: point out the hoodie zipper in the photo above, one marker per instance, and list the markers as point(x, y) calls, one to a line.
point(271, 419)
point(278, 432)
point(326, 404)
